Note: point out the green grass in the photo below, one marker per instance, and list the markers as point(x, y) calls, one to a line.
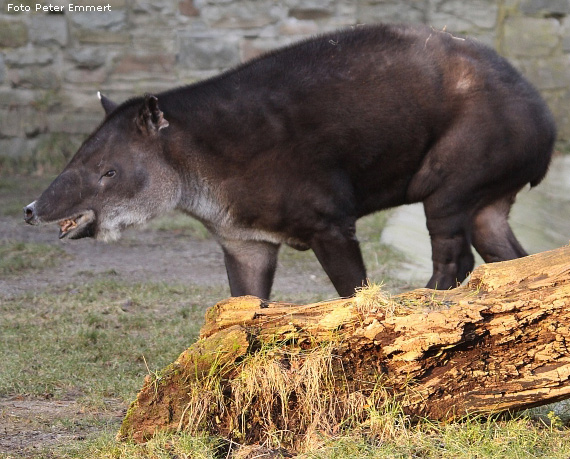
point(17, 257)
point(162, 446)
point(516, 438)
point(475, 438)
point(96, 339)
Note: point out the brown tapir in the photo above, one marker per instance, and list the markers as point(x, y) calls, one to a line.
point(293, 147)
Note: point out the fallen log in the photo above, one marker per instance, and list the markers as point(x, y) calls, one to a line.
point(265, 369)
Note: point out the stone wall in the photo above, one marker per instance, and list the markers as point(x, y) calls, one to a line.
point(53, 60)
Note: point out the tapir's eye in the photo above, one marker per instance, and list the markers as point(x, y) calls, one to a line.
point(110, 174)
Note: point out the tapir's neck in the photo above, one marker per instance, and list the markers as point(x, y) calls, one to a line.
point(216, 130)
point(203, 202)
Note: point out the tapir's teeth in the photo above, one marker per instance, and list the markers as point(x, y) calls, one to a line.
point(67, 225)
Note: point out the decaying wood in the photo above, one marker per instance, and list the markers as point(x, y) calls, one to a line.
point(500, 342)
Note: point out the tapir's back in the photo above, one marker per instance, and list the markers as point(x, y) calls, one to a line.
point(374, 102)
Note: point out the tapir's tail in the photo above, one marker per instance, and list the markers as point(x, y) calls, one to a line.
point(545, 146)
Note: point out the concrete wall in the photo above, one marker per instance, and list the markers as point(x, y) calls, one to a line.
point(53, 62)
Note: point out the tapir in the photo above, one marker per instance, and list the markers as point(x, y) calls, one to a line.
point(294, 146)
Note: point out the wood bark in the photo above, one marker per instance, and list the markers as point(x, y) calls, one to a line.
point(500, 342)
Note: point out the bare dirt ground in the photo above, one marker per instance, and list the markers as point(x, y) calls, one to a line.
point(144, 255)
point(29, 425)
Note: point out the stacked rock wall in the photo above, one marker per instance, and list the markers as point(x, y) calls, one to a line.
point(55, 57)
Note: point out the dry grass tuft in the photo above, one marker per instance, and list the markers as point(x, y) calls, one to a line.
point(283, 393)
point(371, 299)
point(287, 397)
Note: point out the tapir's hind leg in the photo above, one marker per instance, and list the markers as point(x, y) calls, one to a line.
point(250, 266)
point(339, 254)
point(493, 237)
point(451, 247)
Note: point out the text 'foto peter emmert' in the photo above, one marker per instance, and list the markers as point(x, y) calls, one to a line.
point(71, 7)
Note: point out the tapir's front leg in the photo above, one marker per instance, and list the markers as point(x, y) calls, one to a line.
point(339, 254)
point(250, 266)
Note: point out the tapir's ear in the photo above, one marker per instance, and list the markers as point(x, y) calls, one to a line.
point(150, 118)
point(108, 104)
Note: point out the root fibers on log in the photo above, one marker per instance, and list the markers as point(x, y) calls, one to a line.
point(263, 369)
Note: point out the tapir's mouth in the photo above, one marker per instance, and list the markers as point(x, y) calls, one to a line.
point(77, 227)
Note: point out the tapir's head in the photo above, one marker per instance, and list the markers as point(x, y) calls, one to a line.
point(119, 176)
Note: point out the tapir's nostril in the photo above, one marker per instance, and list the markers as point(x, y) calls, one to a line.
point(29, 213)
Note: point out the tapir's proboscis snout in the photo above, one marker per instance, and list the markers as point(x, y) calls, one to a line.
point(68, 201)
point(293, 147)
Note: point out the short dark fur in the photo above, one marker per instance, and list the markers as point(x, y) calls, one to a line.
point(295, 146)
